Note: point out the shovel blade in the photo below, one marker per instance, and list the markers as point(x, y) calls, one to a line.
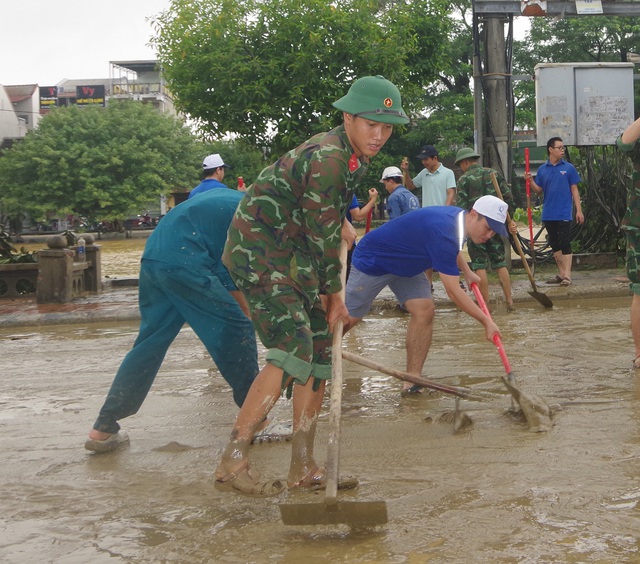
point(361, 513)
point(535, 408)
point(542, 298)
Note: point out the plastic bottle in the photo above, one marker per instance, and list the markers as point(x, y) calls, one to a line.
point(81, 249)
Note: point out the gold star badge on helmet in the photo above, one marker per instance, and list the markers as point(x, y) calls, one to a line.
point(388, 102)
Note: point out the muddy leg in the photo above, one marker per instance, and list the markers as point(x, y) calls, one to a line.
point(306, 407)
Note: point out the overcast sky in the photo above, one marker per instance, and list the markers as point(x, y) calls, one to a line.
point(45, 41)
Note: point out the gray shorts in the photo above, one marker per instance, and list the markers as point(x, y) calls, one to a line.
point(362, 289)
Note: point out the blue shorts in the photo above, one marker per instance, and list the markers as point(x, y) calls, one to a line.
point(362, 289)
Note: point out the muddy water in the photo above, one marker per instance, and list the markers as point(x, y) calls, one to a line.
point(120, 255)
point(492, 493)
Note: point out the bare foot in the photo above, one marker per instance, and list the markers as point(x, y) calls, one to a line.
point(317, 480)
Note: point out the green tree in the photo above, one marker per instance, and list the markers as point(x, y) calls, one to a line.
point(267, 71)
point(98, 162)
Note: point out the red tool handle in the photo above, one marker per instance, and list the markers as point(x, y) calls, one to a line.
point(368, 227)
point(496, 338)
point(527, 183)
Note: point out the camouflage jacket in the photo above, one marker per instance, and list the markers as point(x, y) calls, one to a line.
point(288, 227)
point(476, 182)
point(631, 219)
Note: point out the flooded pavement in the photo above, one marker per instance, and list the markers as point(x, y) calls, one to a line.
point(493, 492)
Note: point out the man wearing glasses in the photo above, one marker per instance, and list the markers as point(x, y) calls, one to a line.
point(557, 180)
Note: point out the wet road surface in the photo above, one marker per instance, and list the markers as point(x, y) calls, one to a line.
point(492, 493)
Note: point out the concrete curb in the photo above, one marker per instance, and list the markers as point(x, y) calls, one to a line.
point(119, 301)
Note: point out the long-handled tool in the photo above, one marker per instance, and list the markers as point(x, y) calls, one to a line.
point(535, 409)
point(527, 184)
point(419, 380)
point(542, 298)
point(332, 511)
point(368, 225)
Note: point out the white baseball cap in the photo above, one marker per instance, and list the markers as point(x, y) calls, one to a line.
point(213, 161)
point(390, 172)
point(495, 212)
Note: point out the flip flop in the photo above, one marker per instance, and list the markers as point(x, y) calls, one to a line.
point(416, 389)
point(117, 440)
point(247, 482)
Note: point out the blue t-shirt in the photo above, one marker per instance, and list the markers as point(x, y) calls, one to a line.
point(354, 204)
point(556, 181)
point(401, 201)
point(193, 234)
point(206, 185)
point(425, 238)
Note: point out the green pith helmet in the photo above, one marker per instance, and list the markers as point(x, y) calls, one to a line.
point(466, 153)
point(374, 98)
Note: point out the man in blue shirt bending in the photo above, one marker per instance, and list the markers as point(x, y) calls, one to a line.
point(397, 253)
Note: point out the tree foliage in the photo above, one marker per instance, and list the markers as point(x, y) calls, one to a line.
point(98, 162)
point(268, 70)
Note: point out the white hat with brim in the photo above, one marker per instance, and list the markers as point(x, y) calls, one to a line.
point(213, 161)
point(391, 172)
point(494, 211)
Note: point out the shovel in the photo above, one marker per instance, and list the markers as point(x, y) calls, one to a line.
point(332, 511)
point(535, 409)
point(542, 298)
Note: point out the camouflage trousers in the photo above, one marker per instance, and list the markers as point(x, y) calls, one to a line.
point(633, 258)
point(292, 327)
point(487, 255)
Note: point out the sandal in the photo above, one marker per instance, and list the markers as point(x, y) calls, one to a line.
point(566, 281)
point(555, 280)
point(247, 482)
point(416, 389)
point(317, 480)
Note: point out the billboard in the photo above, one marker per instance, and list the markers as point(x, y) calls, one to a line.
point(90, 95)
point(48, 97)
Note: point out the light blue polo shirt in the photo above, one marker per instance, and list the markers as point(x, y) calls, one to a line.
point(434, 185)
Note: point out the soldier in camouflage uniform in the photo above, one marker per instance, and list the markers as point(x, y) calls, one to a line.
point(474, 183)
point(282, 251)
point(628, 143)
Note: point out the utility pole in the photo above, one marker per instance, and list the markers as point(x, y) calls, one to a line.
point(493, 127)
point(497, 151)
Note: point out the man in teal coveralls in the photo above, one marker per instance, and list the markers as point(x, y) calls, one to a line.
point(182, 279)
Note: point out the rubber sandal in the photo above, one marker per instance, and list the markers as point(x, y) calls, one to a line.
point(416, 389)
point(511, 308)
point(317, 480)
point(245, 481)
point(555, 280)
point(274, 432)
point(115, 441)
point(565, 282)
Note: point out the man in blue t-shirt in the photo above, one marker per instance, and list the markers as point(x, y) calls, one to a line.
point(213, 170)
point(397, 254)
point(557, 180)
